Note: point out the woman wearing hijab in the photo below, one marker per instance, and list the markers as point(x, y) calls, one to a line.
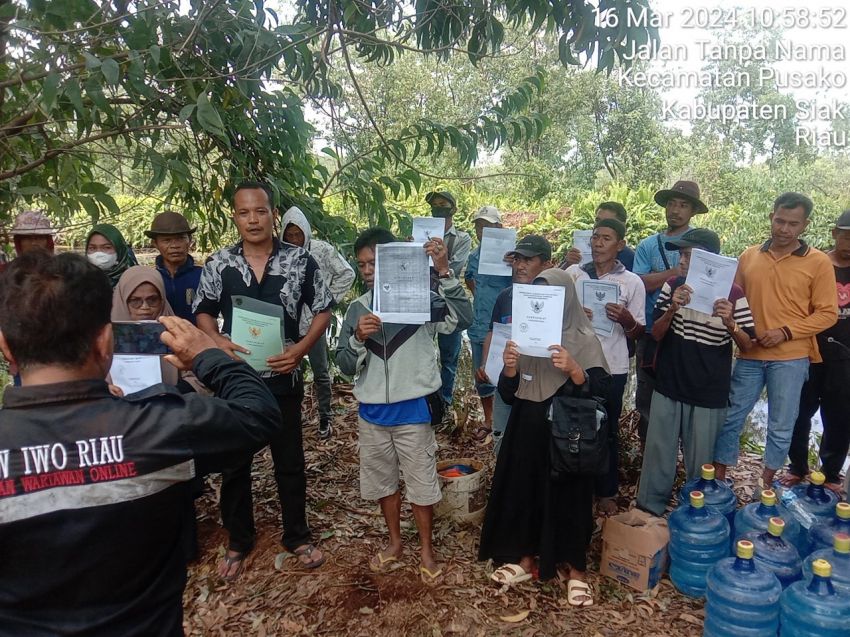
point(108, 250)
point(528, 515)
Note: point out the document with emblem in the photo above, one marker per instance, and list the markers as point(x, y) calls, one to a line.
point(134, 373)
point(495, 244)
point(498, 341)
point(595, 295)
point(581, 242)
point(257, 326)
point(710, 276)
point(537, 315)
point(402, 291)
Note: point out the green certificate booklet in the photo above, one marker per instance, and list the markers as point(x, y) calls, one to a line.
point(258, 327)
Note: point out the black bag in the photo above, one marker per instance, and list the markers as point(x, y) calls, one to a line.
point(436, 407)
point(580, 431)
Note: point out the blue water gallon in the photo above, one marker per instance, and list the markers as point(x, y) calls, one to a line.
point(699, 537)
point(718, 495)
point(822, 535)
point(775, 554)
point(814, 608)
point(839, 558)
point(815, 498)
point(756, 516)
point(741, 597)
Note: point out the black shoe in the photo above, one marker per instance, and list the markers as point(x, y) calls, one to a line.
point(325, 428)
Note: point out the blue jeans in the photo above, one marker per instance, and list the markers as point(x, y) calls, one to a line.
point(485, 390)
point(784, 380)
point(449, 351)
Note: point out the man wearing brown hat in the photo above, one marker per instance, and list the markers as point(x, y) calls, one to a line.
point(655, 264)
point(172, 236)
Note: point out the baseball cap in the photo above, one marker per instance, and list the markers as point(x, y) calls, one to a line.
point(488, 213)
point(532, 245)
point(843, 221)
point(445, 194)
point(696, 238)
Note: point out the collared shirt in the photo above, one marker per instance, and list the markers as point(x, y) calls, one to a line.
point(292, 279)
point(648, 259)
point(459, 244)
point(632, 295)
point(180, 288)
point(795, 293)
point(487, 288)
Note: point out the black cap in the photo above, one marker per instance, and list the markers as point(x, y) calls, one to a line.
point(445, 194)
point(843, 221)
point(533, 245)
point(696, 238)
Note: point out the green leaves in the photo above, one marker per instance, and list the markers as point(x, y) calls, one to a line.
point(110, 70)
point(208, 117)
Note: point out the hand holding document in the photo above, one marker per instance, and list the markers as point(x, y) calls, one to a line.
point(538, 314)
point(595, 295)
point(134, 373)
point(427, 228)
point(710, 276)
point(402, 292)
point(493, 366)
point(495, 244)
point(258, 327)
point(581, 242)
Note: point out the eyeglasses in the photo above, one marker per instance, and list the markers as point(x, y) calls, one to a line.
point(151, 301)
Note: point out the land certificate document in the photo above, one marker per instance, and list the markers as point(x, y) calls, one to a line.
point(135, 372)
point(581, 242)
point(495, 244)
point(710, 276)
point(258, 327)
point(537, 316)
point(402, 291)
point(427, 228)
point(498, 341)
point(595, 295)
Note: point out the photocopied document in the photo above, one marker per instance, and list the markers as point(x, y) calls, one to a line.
point(538, 313)
point(402, 291)
point(710, 276)
point(258, 327)
point(595, 295)
point(427, 228)
point(498, 341)
point(495, 243)
point(134, 373)
point(581, 242)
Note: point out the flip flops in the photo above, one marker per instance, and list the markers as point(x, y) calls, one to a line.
point(428, 576)
point(481, 432)
point(510, 574)
point(378, 563)
point(229, 560)
point(307, 551)
point(576, 590)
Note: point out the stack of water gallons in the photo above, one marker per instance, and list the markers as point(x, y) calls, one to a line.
point(756, 517)
point(719, 496)
point(699, 537)
point(810, 503)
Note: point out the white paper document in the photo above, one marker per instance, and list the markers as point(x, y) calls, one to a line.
point(581, 242)
point(493, 366)
point(595, 295)
point(402, 292)
point(427, 228)
point(495, 244)
point(134, 373)
point(710, 276)
point(537, 315)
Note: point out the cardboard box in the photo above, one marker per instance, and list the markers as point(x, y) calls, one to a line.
point(634, 549)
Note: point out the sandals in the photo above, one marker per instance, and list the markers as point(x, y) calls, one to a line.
point(378, 563)
point(481, 432)
point(307, 551)
point(606, 506)
point(229, 560)
point(510, 574)
point(428, 576)
point(578, 594)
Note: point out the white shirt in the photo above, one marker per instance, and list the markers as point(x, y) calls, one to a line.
point(632, 296)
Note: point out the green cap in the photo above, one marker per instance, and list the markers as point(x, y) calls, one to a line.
point(822, 568)
point(775, 526)
point(817, 478)
point(532, 245)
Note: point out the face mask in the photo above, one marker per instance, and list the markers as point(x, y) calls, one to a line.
point(103, 260)
point(442, 212)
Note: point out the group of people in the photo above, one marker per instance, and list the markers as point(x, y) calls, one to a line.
point(76, 455)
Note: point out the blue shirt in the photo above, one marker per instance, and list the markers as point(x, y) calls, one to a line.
point(648, 260)
point(180, 289)
point(487, 288)
point(406, 412)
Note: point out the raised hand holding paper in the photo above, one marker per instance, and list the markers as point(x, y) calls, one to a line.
point(494, 364)
point(495, 244)
point(710, 276)
point(427, 228)
point(402, 292)
point(538, 314)
point(581, 242)
point(595, 295)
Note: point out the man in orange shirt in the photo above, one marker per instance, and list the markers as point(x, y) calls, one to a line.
point(791, 291)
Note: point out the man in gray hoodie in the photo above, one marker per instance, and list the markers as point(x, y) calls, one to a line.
point(339, 276)
point(396, 373)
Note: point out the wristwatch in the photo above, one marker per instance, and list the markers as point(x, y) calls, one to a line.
point(735, 329)
point(448, 275)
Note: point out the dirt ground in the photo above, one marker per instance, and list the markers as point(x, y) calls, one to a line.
point(274, 596)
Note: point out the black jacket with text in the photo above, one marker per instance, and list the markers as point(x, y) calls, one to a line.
point(95, 497)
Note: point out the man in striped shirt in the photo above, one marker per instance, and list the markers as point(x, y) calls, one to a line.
point(693, 374)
